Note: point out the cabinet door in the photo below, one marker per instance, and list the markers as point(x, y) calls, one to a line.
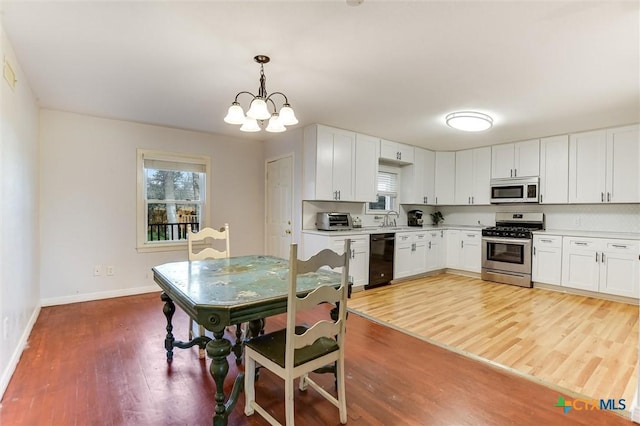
point(366, 168)
point(547, 259)
point(406, 153)
point(623, 158)
point(527, 158)
point(587, 153)
point(413, 180)
point(470, 251)
point(388, 150)
point(619, 268)
point(343, 157)
point(502, 160)
point(419, 261)
point(581, 263)
point(481, 187)
point(445, 175)
point(452, 248)
point(464, 177)
point(554, 170)
point(435, 254)
point(324, 165)
point(402, 259)
point(429, 176)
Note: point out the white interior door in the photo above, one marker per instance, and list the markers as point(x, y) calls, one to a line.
point(279, 206)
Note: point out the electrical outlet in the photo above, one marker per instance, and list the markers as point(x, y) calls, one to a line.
point(578, 221)
point(110, 270)
point(97, 270)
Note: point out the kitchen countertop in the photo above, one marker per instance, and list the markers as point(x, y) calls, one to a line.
point(366, 230)
point(587, 234)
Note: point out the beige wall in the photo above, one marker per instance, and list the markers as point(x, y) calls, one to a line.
point(88, 199)
point(19, 272)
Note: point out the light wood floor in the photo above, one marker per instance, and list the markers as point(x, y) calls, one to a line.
point(584, 345)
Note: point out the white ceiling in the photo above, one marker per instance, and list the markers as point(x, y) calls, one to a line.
point(385, 68)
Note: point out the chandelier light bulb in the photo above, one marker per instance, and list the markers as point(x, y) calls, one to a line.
point(287, 116)
point(258, 110)
point(275, 124)
point(469, 121)
point(250, 125)
point(235, 115)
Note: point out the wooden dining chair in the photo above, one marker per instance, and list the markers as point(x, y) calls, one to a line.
point(298, 350)
point(206, 253)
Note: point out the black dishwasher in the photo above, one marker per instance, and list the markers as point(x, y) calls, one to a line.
point(381, 250)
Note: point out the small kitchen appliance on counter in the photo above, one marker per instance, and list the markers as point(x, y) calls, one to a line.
point(333, 221)
point(506, 248)
point(414, 218)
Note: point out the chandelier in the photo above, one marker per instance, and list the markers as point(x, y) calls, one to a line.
point(259, 108)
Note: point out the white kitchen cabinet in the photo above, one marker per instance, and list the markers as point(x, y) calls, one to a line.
point(445, 176)
point(359, 258)
point(410, 254)
point(473, 176)
point(396, 152)
point(520, 159)
point(418, 179)
point(546, 263)
point(464, 250)
point(435, 250)
point(603, 166)
point(601, 265)
point(328, 171)
point(366, 168)
point(554, 170)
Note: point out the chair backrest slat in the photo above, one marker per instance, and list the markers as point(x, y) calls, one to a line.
point(208, 252)
point(322, 328)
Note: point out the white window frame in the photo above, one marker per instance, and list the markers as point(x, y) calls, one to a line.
point(394, 195)
point(142, 245)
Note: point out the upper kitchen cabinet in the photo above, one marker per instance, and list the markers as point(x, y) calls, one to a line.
point(603, 166)
point(521, 159)
point(418, 179)
point(366, 168)
point(395, 152)
point(445, 177)
point(554, 170)
point(329, 164)
point(473, 176)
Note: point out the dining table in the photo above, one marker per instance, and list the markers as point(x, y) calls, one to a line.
point(218, 293)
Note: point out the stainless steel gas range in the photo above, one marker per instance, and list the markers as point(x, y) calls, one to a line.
point(506, 248)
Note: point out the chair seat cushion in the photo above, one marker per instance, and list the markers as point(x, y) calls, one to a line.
point(272, 346)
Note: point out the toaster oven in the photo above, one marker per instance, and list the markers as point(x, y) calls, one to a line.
point(332, 221)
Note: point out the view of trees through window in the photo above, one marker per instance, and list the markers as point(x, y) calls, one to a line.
point(173, 202)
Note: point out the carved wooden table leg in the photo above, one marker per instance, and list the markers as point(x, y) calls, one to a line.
point(218, 349)
point(237, 347)
point(169, 309)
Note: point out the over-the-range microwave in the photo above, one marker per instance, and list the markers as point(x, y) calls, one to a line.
point(518, 190)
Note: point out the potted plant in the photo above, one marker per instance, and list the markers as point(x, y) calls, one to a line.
point(437, 217)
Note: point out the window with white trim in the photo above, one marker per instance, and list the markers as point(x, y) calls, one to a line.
point(387, 185)
point(171, 198)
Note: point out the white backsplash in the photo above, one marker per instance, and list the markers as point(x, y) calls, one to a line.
point(584, 217)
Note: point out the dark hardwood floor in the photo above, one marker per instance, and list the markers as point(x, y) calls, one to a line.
point(103, 363)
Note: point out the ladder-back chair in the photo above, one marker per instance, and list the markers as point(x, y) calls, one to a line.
point(206, 253)
point(299, 350)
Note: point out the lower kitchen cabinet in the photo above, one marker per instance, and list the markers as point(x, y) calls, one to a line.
point(435, 250)
point(601, 265)
point(464, 250)
point(546, 263)
point(359, 259)
point(410, 254)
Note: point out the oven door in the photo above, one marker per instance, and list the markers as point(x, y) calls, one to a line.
point(506, 254)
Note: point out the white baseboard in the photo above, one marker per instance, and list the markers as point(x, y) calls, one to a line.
point(17, 353)
point(86, 297)
point(635, 410)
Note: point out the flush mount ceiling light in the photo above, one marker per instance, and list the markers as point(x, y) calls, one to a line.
point(469, 121)
point(258, 111)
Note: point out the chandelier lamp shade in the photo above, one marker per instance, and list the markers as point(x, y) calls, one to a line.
point(469, 121)
point(259, 109)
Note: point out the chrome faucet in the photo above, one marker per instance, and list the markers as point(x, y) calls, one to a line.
point(386, 222)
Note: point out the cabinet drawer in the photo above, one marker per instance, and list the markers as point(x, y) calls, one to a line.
point(471, 236)
point(623, 246)
point(547, 241)
point(404, 238)
point(583, 244)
